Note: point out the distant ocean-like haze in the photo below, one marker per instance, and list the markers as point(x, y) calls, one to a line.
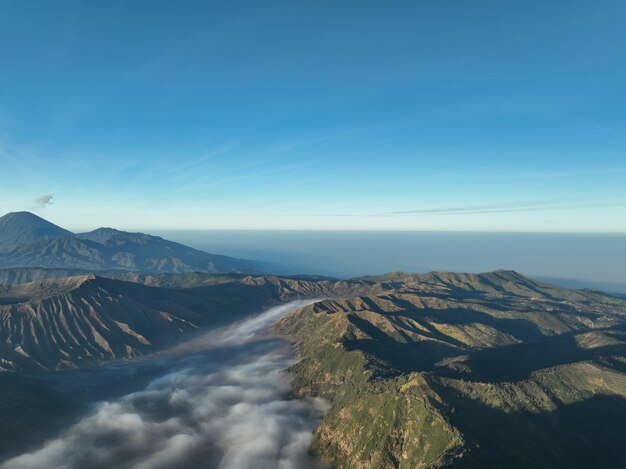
point(572, 260)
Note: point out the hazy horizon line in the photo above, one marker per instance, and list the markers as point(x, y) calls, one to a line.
point(340, 230)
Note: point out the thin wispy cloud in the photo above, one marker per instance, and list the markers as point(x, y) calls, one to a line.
point(485, 209)
point(511, 208)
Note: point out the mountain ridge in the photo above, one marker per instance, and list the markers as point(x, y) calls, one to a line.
point(465, 370)
point(24, 227)
point(420, 370)
point(25, 245)
point(85, 319)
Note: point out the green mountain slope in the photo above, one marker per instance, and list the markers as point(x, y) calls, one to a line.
point(488, 370)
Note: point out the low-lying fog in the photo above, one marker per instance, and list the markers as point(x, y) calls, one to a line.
point(219, 400)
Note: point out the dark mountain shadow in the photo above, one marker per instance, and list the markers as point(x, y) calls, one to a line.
point(404, 354)
point(394, 357)
point(233, 298)
point(519, 328)
point(586, 434)
point(31, 411)
point(614, 363)
point(519, 361)
point(426, 330)
point(10, 301)
point(396, 353)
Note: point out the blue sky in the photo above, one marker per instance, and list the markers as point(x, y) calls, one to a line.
point(425, 115)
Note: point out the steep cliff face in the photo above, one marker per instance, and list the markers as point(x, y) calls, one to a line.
point(464, 370)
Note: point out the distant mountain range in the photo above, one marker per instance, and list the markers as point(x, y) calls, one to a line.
point(27, 240)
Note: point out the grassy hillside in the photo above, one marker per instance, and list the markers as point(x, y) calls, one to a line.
point(488, 370)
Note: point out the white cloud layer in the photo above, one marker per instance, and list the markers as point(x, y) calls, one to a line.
point(204, 412)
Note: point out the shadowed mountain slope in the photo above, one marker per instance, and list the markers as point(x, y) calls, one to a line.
point(468, 370)
point(17, 275)
point(81, 320)
point(25, 227)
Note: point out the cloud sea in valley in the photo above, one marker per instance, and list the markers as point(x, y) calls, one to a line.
point(220, 400)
